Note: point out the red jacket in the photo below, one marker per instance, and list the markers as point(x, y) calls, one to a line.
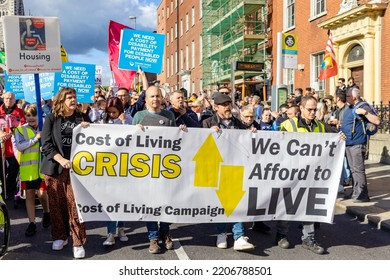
point(9, 122)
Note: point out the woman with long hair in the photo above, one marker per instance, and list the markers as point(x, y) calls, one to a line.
point(56, 147)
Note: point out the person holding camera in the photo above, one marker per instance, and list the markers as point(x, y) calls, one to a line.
point(183, 115)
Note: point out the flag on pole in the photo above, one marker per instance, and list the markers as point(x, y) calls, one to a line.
point(64, 54)
point(123, 78)
point(329, 65)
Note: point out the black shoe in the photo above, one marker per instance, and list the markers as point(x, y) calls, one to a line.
point(46, 220)
point(31, 229)
point(361, 200)
point(260, 227)
point(309, 243)
point(281, 241)
point(347, 196)
point(317, 225)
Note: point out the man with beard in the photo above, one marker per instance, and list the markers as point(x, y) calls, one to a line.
point(224, 119)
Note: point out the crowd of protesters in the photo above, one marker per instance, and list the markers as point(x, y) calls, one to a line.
point(154, 106)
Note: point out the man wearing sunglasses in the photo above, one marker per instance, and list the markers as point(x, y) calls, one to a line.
point(305, 122)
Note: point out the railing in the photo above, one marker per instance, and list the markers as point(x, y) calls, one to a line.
point(383, 112)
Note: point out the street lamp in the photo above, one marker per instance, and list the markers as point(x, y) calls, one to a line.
point(135, 21)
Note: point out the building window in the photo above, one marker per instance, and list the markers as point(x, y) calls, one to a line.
point(192, 87)
point(181, 27)
point(193, 54)
point(171, 34)
point(317, 60)
point(171, 7)
point(175, 29)
point(317, 7)
point(289, 16)
point(172, 62)
point(187, 22)
point(167, 12)
point(167, 38)
point(181, 59)
point(187, 58)
point(200, 49)
point(168, 64)
point(176, 62)
point(200, 9)
point(356, 54)
point(193, 16)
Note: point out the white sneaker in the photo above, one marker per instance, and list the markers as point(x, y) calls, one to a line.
point(59, 244)
point(221, 241)
point(110, 240)
point(78, 252)
point(122, 235)
point(242, 244)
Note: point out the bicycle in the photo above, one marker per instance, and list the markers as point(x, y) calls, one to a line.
point(4, 227)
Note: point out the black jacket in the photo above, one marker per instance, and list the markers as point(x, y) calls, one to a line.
point(52, 143)
point(214, 121)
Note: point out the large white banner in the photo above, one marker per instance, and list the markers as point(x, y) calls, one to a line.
point(32, 44)
point(199, 176)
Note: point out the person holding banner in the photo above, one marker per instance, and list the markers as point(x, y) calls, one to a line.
point(115, 115)
point(305, 122)
point(56, 147)
point(224, 119)
point(155, 116)
point(183, 114)
point(10, 118)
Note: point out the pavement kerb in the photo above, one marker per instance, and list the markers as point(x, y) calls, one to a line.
point(374, 215)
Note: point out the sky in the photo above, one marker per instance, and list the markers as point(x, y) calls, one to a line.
point(84, 24)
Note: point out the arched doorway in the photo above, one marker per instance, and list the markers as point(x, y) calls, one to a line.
point(355, 64)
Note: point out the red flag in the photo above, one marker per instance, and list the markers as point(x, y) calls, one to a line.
point(329, 65)
point(123, 78)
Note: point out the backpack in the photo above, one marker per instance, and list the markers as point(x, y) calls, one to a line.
point(369, 128)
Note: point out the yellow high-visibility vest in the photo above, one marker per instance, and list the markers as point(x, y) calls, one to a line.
point(30, 158)
point(291, 125)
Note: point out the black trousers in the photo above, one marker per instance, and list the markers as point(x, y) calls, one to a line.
point(11, 172)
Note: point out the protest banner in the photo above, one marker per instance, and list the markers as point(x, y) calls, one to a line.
point(23, 86)
point(79, 76)
point(199, 176)
point(32, 44)
point(98, 75)
point(141, 49)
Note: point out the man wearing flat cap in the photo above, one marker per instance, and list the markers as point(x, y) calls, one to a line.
point(223, 119)
point(223, 116)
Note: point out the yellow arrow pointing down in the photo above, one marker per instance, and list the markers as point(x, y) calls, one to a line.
point(207, 161)
point(230, 188)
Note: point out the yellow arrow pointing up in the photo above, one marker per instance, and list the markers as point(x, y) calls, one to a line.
point(207, 161)
point(230, 187)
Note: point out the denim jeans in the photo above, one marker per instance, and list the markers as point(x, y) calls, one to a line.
point(237, 229)
point(154, 231)
point(112, 225)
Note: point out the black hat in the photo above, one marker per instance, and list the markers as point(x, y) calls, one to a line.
point(221, 98)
